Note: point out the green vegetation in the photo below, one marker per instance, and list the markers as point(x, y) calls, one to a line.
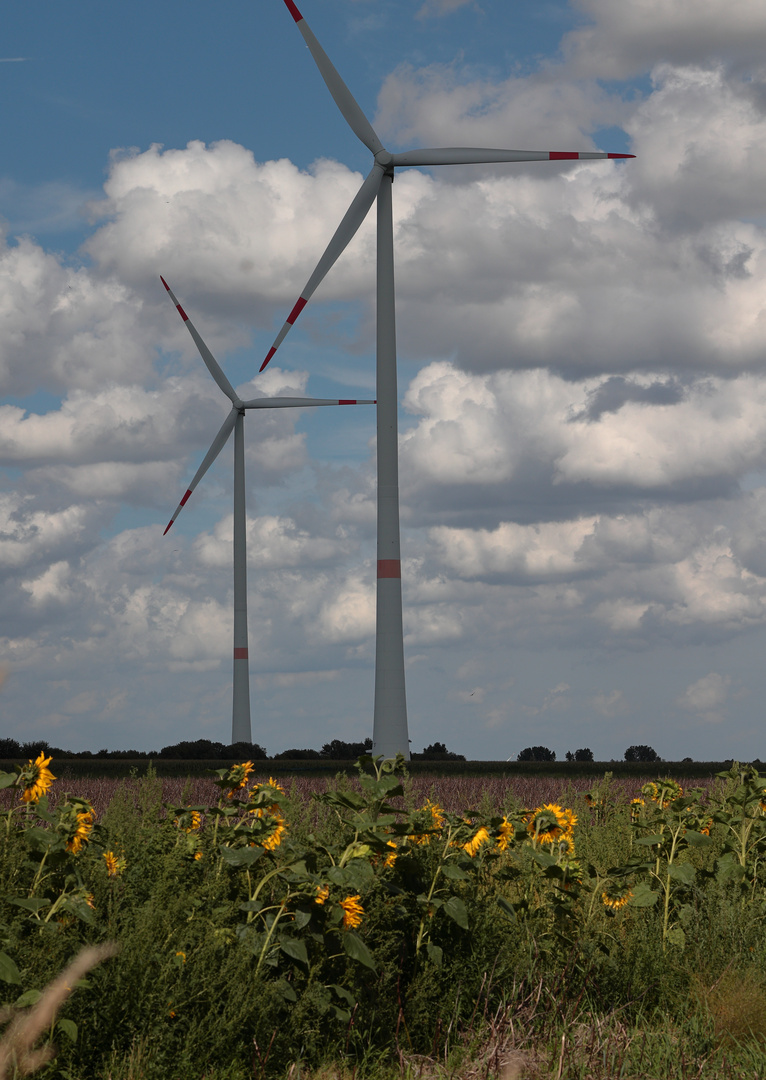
point(369, 931)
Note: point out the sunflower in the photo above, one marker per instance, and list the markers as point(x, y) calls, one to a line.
point(323, 891)
point(237, 777)
point(36, 778)
point(614, 898)
point(352, 912)
point(85, 819)
point(473, 845)
point(271, 816)
point(635, 808)
point(504, 834)
point(115, 864)
point(547, 824)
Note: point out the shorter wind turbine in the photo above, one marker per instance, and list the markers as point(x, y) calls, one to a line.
point(240, 717)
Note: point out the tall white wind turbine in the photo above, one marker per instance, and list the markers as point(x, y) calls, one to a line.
point(390, 733)
point(240, 715)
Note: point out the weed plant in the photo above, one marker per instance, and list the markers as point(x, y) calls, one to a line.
point(263, 933)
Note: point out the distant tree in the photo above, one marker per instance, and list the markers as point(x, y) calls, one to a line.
point(243, 751)
point(297, 755)
point(641, 753)
point(687, 760)
point(9, 748)
point(536, 753)
point(437, 752)
point(198, 750)
point(583, 755)
point(338, 750)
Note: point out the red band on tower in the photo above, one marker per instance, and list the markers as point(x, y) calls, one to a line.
point(388, 568)
point(240, 654)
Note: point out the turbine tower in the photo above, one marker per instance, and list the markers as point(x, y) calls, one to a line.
point(235, 421)
point(390, 733)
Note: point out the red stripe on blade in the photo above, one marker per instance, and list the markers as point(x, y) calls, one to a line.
point(186, 496)
point(300, 304)
point(389, 568)
point(293, 10)
point(168, 526)
point(164, 283)
point(620, 155)
point(182, 313)
point(346, 401)
point(240, 654)
point(563, 156)
point(265, 362)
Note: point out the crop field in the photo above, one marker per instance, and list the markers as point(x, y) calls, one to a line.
point(382, 925)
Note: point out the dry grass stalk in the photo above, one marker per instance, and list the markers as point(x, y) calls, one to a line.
point(17, 1054)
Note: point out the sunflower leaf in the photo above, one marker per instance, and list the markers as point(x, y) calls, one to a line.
point(357, 949)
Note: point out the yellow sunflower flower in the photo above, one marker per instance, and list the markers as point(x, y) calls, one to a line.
point(473, 845)
point(352, 912)
point(504, 834)
point(238, 776)
point(115, 864)
point(36, 778)
point(85, 821)
point(323, 891)
point(614, 899)
point(273, 817)
point(547, 824)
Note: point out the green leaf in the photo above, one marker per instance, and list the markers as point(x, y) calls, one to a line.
point(244, 856)
point(8, 971)
point(250, 905)
point(506, 908)
point(69, 1028)
point(454, 873)
point(683, 872)
point(728, 868)
point(676, 936)
point(29, 997)
point(301, 918)
point(285, 990)
point(697, 839)
point(435, 954)
point(30, 903)
point(6, 779)
point(455, 908)
point(357, 949)
point(650, 841)
point(343, 994)
point(642, 896)
point(295, 949)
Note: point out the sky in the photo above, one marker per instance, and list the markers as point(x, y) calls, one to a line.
point(582, 373)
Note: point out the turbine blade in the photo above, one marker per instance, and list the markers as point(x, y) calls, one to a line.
point(301, 402)
point(216, 447)
point(344, 99)
point(210, 361)
point(466, 155)
point(344, 234)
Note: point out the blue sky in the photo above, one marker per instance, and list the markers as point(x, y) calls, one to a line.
point(581, 373)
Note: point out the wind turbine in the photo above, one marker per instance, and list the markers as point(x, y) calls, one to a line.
point(390, 733)
point(235, 421)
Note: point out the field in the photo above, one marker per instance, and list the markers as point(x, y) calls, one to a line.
point(389, 924)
